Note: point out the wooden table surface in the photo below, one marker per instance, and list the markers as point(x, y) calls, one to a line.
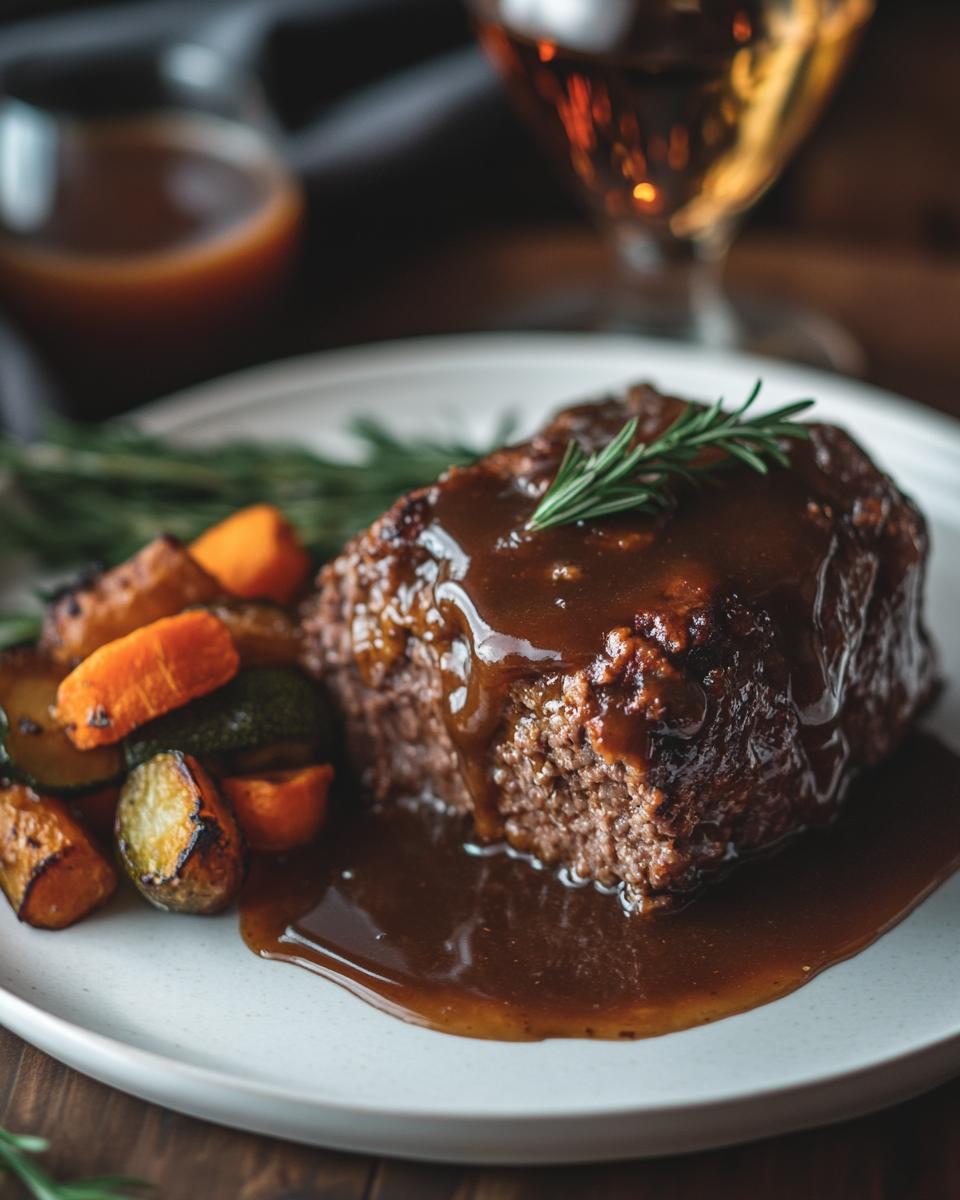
point(903, 307)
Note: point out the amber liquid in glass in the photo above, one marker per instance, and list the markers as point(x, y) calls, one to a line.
point(676, 113)
point(164, 242)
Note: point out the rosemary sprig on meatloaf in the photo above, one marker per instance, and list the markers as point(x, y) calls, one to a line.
point(630, 475)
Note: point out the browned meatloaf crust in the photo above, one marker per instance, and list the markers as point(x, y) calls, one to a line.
point(643, 699)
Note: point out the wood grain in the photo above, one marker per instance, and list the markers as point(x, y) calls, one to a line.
point(96, 1130)
point(869, 232)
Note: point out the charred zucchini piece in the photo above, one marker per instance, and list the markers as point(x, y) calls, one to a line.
point(33, 748)
point(51, 870)
point(177, 837)
point(258, 707)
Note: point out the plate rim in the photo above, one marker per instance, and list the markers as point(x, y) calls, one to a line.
point(212, 397)
point(923, 432)
point(17, 1005)
point(218, 397)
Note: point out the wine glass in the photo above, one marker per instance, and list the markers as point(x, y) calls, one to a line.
point(148, 221)
point(673, 117)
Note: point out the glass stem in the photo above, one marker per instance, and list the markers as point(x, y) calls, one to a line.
point(670, 287)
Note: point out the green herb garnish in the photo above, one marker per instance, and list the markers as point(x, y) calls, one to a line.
point(628, 475)
point(18, 628)
point(17, 1153)
point(97, 494)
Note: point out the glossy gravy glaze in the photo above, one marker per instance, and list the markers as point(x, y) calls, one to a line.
point(400, 906)
point(542, 603)
point(719, 647)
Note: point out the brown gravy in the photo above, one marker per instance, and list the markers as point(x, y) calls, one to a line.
point(571, 586)
point(391, 906)
point(640, 626)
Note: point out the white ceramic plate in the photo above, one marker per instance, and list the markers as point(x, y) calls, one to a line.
point(177, 1010)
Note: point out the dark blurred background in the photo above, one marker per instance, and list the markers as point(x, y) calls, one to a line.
point(430, 210)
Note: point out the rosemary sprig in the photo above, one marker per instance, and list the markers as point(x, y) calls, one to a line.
point(17, 628)
point(93, 495)
point(17, 1151)
point(96, 494)
point(629, 475)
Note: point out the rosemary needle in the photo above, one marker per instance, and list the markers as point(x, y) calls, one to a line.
point(96, 494)
point(87, 494)
point(629, 475)
point(17, 1156)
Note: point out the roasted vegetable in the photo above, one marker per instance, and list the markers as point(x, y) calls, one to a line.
point(33, 747)
point(84, 492)
point(178, 838)
point(261, 706)
point(50, 868)
point(275, 756)
point(264, 633)
point(160, 581)
point(255, 553)
point(283, 809)
point(149, 672)
point(18, 629)
point(97, 811)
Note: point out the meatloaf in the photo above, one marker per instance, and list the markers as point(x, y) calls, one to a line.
point(637, 700)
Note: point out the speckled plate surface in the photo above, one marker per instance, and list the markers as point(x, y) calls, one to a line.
point(178, 1011)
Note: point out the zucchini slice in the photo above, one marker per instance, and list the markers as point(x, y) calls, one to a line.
point(258, 707)
point(177, 837)
point(33, 748)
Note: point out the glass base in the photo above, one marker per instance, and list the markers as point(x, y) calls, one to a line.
point(751, 323)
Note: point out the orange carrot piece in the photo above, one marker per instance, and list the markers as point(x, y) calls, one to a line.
point(280, 810)
point(155, 669)
point(160, 580)
point(256, 554)
point(51, 870)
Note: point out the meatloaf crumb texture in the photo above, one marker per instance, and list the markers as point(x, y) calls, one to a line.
point(710, 719)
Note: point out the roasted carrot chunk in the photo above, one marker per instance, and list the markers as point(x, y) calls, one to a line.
point(51, 870)
point(265, 635)
point(159, 581)
point(155, 669)
point(256, 554)
point(280, 810)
